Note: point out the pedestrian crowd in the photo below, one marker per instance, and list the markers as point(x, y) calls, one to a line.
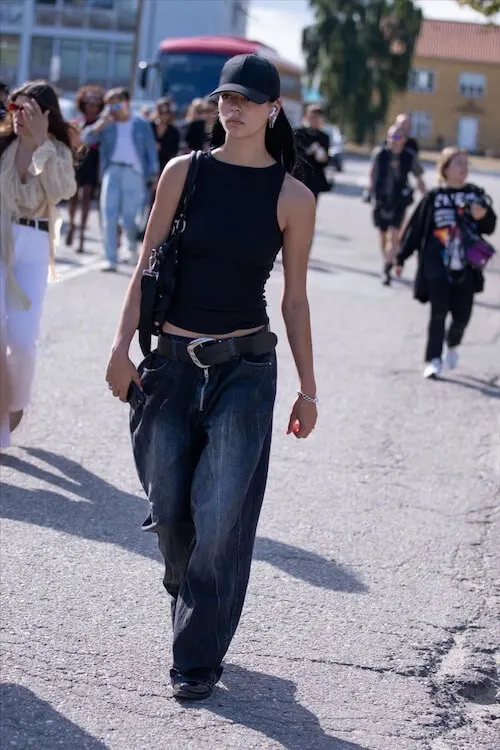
point(222, 196)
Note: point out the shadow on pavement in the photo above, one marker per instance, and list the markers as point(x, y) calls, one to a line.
point(28, 721)
point(486, 387)
point(333, 268)
point(307, 566)
point(113, 516)
point(348, 189)
point(332, 236)
point(268, 704)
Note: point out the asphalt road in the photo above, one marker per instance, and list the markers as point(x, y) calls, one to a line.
point(371, 619)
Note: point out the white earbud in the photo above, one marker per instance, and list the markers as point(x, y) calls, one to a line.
point(274, 110)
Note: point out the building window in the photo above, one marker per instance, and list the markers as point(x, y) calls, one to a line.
point(472, 85)
point(70, 52)
point(41, 55)
point(9, 58)
point(421, 124)
point(421, 80)
point(97, 63)
point(122, 65)
point(11, 11)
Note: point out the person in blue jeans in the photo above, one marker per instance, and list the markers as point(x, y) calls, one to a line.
point(128, 163)
point(201, 431)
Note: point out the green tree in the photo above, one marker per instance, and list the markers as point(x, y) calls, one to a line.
point(359, 52)
point(487, 7)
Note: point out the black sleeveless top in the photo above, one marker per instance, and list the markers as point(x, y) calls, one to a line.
point(228, 248)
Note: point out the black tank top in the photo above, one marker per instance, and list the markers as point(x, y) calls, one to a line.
point(228, 248)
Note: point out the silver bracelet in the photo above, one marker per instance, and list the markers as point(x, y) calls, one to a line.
point(311, 399)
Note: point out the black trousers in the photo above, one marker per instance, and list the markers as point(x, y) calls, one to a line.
point(455, 297)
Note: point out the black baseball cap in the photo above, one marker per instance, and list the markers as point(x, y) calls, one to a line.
point(251, 75)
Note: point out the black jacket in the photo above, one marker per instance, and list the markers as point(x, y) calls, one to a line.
point(310, 171)
point(418, 236)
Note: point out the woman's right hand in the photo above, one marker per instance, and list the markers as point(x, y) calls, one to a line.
point(120, 372)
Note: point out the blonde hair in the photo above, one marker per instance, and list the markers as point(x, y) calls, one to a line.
point(445, 158)
point(195, 109)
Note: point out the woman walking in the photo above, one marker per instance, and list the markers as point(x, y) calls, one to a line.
point(202, 437)
point(445, 277)
point(36, 173)
point(90, 102)
point(200, 119)
point(167, 136)
point(391, 166)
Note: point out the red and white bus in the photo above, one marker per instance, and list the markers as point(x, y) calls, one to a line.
point(189, 68)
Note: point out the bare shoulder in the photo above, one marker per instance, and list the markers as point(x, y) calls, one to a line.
point(297, 198)
point(174, 174)
point(178, 166)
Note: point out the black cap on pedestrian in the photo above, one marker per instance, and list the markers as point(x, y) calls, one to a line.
point(251, 75)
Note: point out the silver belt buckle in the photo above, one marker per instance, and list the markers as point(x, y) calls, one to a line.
point(191, 350)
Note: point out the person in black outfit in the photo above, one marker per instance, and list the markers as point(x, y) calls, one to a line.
point(202, 434)
point(4, 96)
point(444, 277)
point(90, 103)
point(198, 127)
point(168, 140)
point(390, 168)
point(313, 145)
point(166, 134)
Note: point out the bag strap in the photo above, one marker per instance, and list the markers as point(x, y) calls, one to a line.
point(187, 192)
point(150, 275)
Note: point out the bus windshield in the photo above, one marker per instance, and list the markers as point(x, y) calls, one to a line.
point(187, 76)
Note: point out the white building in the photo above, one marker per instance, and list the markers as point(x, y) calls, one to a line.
point(73, 42)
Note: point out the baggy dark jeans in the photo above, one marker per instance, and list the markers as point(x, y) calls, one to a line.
point(456, 298)
point(201, 445)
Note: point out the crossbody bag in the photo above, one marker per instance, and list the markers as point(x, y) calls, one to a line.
point(477, 252)
point(160, 278)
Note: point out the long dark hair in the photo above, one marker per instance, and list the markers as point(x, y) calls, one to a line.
point(46, 98)
point(280, 140)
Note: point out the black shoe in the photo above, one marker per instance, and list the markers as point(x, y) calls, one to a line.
point(191, 690)
point(14, 419)
point(196, 686)
point(386, 276)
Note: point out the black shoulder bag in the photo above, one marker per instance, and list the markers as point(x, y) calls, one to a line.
point(159, 280)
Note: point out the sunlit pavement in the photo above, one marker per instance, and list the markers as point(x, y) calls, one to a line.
point(370, 621)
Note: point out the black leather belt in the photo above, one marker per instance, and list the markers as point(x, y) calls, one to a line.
point(41, 224)
point(206, 351)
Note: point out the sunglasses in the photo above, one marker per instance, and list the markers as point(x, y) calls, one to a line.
point(164, 112)
point(13, 107)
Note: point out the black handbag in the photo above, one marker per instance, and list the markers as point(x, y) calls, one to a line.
point(159, 280)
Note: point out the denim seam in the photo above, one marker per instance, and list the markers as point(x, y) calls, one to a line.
point(237, 576)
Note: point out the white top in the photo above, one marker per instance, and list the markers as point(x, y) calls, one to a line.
point(125, 152)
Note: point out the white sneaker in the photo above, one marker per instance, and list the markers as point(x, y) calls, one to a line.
point(451, 359)
point(433, 369)
point(109, 267)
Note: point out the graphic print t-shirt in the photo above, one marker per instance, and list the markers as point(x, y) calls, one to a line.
point(445, 240)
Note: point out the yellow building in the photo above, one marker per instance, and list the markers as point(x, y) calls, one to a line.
point(453, 94)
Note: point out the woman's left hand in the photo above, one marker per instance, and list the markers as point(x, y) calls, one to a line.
point(477, 212)
point(36, 122)
point(302, 419)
